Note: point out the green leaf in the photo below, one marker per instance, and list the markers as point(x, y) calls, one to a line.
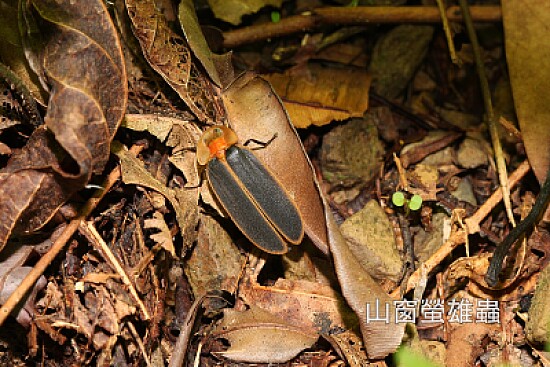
point(406, 357)
point(275, 16)
point(415, 203)
point(398, 198)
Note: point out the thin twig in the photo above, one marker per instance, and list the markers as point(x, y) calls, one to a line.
point(361, 15)
point(489, 112)
point(473, 222)
point(450, 43)
point(139, 342)
point(90, 229)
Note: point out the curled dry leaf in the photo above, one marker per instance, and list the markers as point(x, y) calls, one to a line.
point(170, 56)
point(12, 52)
point(254, 111)
point(184, 201)
point(83, 62)
point(526, 34)
point(12, 273)
point(256, 336)
point(319, 95)
point(164, 237)
point(360, 289)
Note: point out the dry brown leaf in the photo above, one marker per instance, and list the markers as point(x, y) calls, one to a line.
point(158, 126)
point(170, 56)
point(174, 133)
point(255, 112)
point(319, 95)
point(12, 273)
point(12, 52)
point(256, 336)
point(314, 307)
point(184, 201)
point(182, 139)
point(84, 111)
point(164, 237)
point(215, 262)
point(527, 53)
point(360, 289)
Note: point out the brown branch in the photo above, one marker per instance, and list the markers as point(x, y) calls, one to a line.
point(361, 15)
point(473, 222)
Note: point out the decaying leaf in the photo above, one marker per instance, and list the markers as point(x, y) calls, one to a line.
point(83, 62)
point(215, 262)
point(233, 10)
point(12, 273)
point(170, 56)
point(256, 336)
point(319, 95)
point(164, 237)
point(314, 307)
point(526, 31)
point(158, 126)
point(184, 201)
point(12, 52)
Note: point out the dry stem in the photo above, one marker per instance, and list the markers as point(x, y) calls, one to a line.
point(361, 15)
